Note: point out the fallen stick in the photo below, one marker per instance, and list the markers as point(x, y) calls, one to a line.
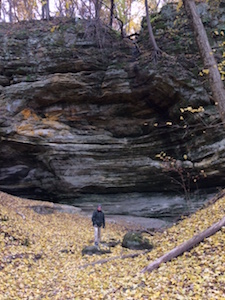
point(185, 246)
point(20, 214)
point(103, 261)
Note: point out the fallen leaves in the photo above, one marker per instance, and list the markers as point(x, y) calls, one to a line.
point(40, 258)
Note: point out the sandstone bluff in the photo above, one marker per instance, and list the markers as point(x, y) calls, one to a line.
point(80, 114)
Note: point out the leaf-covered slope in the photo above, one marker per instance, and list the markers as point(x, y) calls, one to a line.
point(40, 258)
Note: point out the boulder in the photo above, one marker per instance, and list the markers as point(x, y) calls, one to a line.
point(91, 250)
point(135, 240)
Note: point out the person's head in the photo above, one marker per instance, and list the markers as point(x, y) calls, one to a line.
point(99, 207)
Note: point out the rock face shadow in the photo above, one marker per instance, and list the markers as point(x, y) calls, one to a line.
point(46, 210)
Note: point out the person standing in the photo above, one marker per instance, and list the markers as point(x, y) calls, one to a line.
point(98, 220)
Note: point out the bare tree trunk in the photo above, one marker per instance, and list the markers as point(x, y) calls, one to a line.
point(111, 13)
point(3, 12)
point(156, 50)
point(97, 8)
point(185, 246)
point(128, 16)
point(209, 61)
point(10, 11)
point(28, 9)
point(60, 8)
point(121, 25)
point(45, 9)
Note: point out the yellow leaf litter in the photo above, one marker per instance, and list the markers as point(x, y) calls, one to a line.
point(40, 256)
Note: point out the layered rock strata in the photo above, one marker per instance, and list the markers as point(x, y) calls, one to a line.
point(80, 117)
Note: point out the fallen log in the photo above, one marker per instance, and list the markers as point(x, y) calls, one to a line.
point(103, 261)
point(185, 246)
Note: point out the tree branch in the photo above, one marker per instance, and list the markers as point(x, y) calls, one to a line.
point(103, 261)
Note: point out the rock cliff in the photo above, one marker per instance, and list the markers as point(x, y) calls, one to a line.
point(83, 111)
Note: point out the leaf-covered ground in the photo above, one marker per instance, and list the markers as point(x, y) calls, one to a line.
point(40, 258)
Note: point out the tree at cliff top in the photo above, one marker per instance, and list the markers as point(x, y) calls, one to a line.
point(156, 50)
point(14, 11)
point(208, 58)
point(111, 13)
point(120, 14)
point(45, 9)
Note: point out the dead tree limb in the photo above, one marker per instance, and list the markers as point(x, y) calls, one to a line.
point(185, 246)
point(103, 261)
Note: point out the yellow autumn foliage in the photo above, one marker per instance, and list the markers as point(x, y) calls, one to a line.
point(40, 258)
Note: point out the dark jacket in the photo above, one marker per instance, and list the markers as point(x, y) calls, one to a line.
point(98, 218)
